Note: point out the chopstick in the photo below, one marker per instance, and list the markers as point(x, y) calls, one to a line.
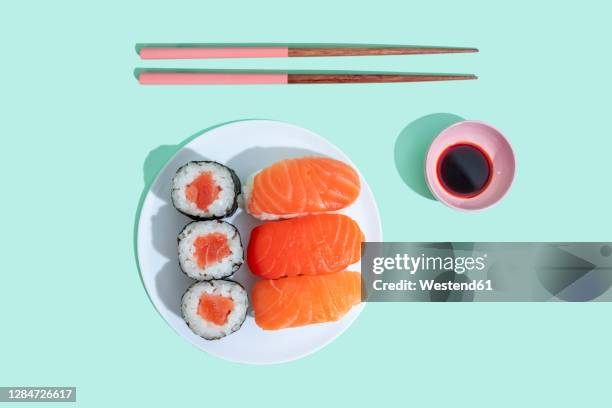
point(222, 77)
point(241, 51)
point(153, 77)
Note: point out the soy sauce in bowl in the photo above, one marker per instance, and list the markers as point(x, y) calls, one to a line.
point(464, 170)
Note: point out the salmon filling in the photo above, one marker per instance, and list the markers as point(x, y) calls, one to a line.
point(215, 308)
point(210, 249)
point(203, 190)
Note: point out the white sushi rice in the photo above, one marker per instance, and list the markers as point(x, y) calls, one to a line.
point(186, 250)
point(222, 176)
point(204, 328)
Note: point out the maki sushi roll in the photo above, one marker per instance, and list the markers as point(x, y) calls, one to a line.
point(214, 309)
point(210, 250)
point(205, 190)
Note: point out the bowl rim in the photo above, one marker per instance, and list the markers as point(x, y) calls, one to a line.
point(428, 163)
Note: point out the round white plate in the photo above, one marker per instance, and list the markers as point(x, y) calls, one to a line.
point(246, 147)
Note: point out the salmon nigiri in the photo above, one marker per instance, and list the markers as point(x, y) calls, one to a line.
point(296, 187)
point(311, 245)
point(302, 300)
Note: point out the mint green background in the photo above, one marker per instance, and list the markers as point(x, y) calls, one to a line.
point(76, 128)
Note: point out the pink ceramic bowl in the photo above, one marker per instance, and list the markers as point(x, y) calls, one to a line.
point(489, 139)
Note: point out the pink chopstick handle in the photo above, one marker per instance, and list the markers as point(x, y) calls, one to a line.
point(213, 52)
point(202, 78)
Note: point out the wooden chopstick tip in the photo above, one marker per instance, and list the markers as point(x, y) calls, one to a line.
point(467, 50)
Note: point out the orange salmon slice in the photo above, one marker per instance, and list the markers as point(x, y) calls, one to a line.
point(311, 245)
point(202, 191)
point(302, 300)
point(307, 185)
point(210, 249)
point(215, 308)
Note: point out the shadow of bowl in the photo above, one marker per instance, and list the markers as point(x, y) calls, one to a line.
point(411, 148)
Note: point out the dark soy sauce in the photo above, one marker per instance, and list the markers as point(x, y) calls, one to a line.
point(464, 170)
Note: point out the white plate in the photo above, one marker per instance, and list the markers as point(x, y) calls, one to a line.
point(246, 147)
